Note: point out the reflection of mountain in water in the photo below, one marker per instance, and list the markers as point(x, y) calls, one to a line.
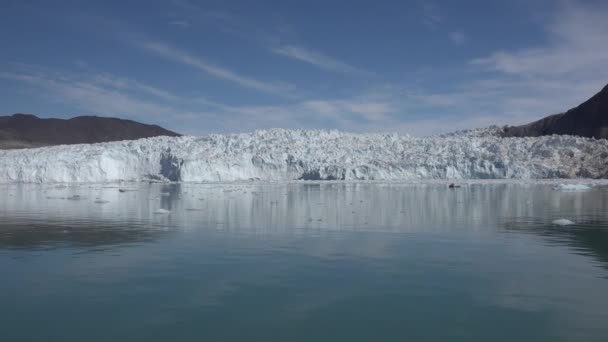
point(588, 236)
point(592, 241)
point(57, 234)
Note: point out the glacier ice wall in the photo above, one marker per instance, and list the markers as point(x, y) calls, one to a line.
point(279, 154)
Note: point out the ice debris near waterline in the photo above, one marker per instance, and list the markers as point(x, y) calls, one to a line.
point(572, 187)
point(279, 154)
point(563, 222)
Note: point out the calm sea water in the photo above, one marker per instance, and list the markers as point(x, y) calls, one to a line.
point(303, 262)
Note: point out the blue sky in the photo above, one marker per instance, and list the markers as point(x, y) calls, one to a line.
point(419, 67)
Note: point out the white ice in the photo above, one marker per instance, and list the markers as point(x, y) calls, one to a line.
point(572, 187)
point(563, 222)
point(279, 155)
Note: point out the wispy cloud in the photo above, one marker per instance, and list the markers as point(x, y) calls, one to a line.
point(430, 14)
point(81, 64)
point(109, 95)
point(433, 19)
point(577, 46)
point(180, 23)
point(558, 75)
point(509, 87)
point(120, 83)
point(457, 37)
point(216, 71)
point(388, 109)
point(223, 21)
point(318, 59)
point(274, 36)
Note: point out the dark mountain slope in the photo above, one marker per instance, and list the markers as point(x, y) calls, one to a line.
point(590, 119)
point(25, 130)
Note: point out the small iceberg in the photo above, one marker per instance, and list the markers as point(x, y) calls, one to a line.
point(562, 222)
point(163, 211)
point(572, 187)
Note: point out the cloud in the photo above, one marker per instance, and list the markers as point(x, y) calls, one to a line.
point(317, 59)
point(120, 83)
point(239, 26)
point(555, 76)
point(386, 109)
point(180, 23)
point(431, 17)
point(108, 95)
point(226, 22)
point(216, 71)
point(577, 46)
point(507, 87)
point(81, 64)
point(352, 114)
point(457, 37)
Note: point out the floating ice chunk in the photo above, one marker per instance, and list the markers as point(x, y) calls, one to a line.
point(101, 201)
point(563, 222)
point(572, 187)
point(163, 211)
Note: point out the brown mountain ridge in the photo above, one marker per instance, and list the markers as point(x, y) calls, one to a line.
point(26, 130)
point(590, 119)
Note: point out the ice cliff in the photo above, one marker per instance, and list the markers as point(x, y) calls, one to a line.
point(279, 154)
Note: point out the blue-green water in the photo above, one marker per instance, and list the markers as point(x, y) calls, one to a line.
point(303, 262)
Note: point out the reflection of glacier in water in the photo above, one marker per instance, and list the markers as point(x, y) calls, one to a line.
point(258, 261)
point(283, 155)
point(276, 207)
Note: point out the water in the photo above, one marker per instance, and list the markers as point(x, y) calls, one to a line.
point(303, 262)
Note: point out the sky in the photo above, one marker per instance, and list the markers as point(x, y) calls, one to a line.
point(416, 67)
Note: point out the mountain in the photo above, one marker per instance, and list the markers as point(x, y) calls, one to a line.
point(589, 119)
point(26, 130)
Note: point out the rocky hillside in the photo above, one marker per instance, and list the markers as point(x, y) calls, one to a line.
point(26, 130)
point(590, 119)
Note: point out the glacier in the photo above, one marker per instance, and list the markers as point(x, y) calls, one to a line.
point(285, 155)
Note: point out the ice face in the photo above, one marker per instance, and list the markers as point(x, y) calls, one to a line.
point(281, 155)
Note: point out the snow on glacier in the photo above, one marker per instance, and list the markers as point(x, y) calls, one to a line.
point(280, 154)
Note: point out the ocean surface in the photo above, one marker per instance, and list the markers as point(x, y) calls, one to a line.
point(303, 261)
